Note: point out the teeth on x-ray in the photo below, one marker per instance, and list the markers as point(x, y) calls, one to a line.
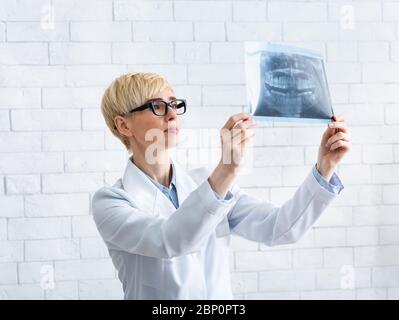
point(292, 84)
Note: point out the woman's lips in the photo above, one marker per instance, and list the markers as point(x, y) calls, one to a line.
point(172, 130)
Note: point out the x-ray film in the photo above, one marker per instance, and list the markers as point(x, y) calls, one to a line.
point(286, 83)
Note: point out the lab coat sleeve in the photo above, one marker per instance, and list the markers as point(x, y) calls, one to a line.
point(264, 222)
point(125, 227)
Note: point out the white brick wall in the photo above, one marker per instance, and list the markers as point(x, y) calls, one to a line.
point(55, 150)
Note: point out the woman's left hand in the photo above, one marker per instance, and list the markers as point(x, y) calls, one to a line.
point(335, 143)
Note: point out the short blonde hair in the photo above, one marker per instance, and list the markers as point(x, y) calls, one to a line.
point(126, 93)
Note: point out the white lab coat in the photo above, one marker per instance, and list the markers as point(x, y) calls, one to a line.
point(162, 252)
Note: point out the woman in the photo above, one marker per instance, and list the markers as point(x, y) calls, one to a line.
point(167, 229)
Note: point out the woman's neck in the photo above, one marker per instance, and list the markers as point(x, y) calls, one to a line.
point(160, 171)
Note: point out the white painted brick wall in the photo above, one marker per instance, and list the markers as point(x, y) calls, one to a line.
point(56, 151)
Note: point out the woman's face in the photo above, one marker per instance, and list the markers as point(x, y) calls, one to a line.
point(149, 129)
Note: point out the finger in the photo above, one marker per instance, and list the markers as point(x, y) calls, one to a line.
point(239, 135)
point(244, 124)
point(338, 136)
point(340, 144)
point(235, 118)
point(338, 117)
point(338, 125)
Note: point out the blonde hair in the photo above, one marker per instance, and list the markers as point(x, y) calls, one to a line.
point(126, 93)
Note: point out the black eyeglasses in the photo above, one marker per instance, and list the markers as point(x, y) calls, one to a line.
point(160, 107)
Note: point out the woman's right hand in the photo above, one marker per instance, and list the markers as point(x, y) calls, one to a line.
point(234, 135)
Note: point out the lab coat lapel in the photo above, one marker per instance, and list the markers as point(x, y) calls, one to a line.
point(148, 197)
point(143, 192)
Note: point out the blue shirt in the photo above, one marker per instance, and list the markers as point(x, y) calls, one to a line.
point(334, 186)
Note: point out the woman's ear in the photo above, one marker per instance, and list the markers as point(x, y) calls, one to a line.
point(122, 126)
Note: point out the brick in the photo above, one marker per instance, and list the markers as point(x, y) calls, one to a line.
point(73, 141)
point(335, 217)
point(286, 280)
point(342, 51)
point(23, 184)
point(203, 11)
point(79, 53)
point(377, 153)
point(84, 269)
point(390, 194)
point(72, 182)
point(253, 31)
point(105, 31)
point(307, 258)
point(337, 257)
point(375, 215)
point(249, 11)
point(338, 278)
point(94, 76)
point(223, 95)
point(31, 272)
point(162, 31)
point(32, 76)
point(45, 120)
point(244, 282)
point(392, 114)
point(385, 276)
point(356, 174)
point(84, 226)
point(101, 289)
point(143, 10)
point(72, 97)
point(192, 52)
point(373, 51)
point(8, 273)
point(226, 74)
point(4, 120)
point(92, 161)
point(173, 73)
point(15, 53)
point(209, 31)
point(56, 205)
point(38, 228)
point(138, 53)
point(34, 162)
point(362, 236)
point(63, 290)
point(390, 10)
point(374, 93)
point(225, 52)
point(312, 31)
point(288, 11)
point(53, 249)
point(3, 229)
point(389, 235)
point(34, 32)
point(330, 237)
point(256, 261)
point(376, 256)
point(93, 247)
point(21, 292)
point(20, 142)
point(380, 72)
point(20, 98)
point(11, 251)
point(363, 11)
point(23, 10)
point(385, 173)
point(11, 206)
point(368, 31)
point(343, 72)
point(67, 10)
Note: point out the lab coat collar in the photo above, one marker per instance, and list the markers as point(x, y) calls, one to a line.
point(147, 196)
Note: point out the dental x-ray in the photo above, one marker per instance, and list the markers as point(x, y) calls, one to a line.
point(286, 83)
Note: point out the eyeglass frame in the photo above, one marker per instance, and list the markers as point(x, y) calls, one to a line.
point(149, 105)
